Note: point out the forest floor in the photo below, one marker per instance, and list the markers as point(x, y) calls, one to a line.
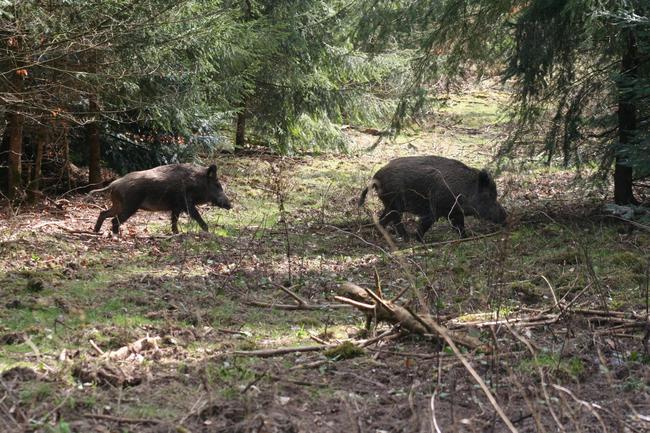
point(149, 332)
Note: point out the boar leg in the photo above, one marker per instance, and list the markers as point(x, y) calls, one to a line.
point(196, 216)
point(426, 221)
point(395, 217)
point(102, 216)
point(458, 222)
point(175, 214)
point(121, 218)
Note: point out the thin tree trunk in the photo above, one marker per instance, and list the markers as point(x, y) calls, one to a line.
point(41, 140)
point(4, 158)
point(240, 135)
point(15, 126)
point(627, 120)
point(94, 146)
point(65, 174)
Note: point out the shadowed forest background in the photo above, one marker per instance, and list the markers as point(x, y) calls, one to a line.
point(539, 326)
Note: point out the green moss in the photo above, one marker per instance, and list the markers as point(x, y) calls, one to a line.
point(345, 350)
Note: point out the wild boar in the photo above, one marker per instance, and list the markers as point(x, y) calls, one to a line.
point(174, 187)
point(433, 187)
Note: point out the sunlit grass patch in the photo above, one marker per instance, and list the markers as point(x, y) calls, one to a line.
point(569, 368)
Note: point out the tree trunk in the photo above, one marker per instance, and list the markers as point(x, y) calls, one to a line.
point(15, 127)
point(42, 139)
point(4, 159)
point(240, 135)
point(94, 147)
point(65, 172)
point(627, 120)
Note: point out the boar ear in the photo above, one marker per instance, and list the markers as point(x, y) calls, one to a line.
point(212, 171)
point(484, 179)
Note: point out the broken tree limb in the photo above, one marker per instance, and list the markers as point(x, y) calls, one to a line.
point(354, 303)
point(371, 305)
point(288, 291)
point(141, 345)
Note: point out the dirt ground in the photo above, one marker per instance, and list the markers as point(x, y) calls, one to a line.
point(153, 332)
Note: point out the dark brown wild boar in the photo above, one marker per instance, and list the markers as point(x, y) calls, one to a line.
point(175, 187)
point(433, 187)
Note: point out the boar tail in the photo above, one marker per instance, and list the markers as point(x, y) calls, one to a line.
point(362, 199)
point(108, 186)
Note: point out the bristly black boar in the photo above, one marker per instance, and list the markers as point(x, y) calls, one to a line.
point(176, 187)
point(433, 187)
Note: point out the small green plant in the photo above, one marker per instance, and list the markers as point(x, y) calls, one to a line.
point(61, 427)
point(36, 392)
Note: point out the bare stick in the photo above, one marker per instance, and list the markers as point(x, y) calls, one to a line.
point(96, 347)
point(300, 299)
point(232, 331)
point(386, 334)
point(265, 353)
point(354, 303)
point(442, 332)
point(590, 406)
point(378, 285)
point(379, 300)
point(399, 295)
point(552, 291)
point(124, 420)
point(434, 422)
point(295, 307)
point(450, 242)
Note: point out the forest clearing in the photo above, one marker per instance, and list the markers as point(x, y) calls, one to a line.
point(341, 216)
point(149, 331)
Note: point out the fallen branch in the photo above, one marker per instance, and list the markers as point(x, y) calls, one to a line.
point(266, 353)
point(450, 242)
point(299, 299)
point(141, 345)
point(123, 420)
point(295, 306)
point(373, 306)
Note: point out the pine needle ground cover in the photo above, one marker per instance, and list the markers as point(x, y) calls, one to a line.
point(237, 330)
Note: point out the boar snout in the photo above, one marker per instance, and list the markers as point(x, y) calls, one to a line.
point(497, 215)
point(223, 202)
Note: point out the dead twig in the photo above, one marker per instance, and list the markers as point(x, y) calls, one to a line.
point(266, 353)
point(450, 242)
point(590, 406)
point(299, 299)
point(295, 307)
point(444, 334)
point(96, 347)
point(124, 420)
